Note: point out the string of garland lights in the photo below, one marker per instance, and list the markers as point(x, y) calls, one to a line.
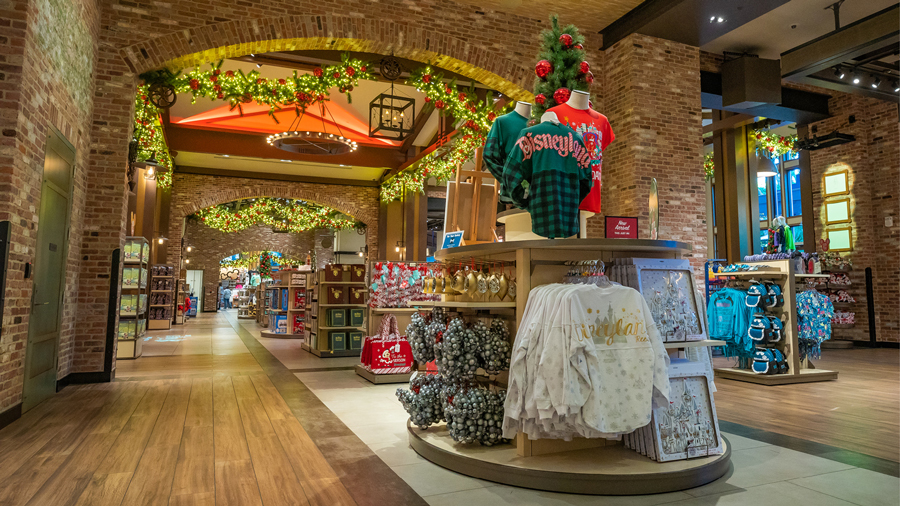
point(277, 213)
point(251, 261)
point(770, 145)
point(237, 88)
point(474, 117)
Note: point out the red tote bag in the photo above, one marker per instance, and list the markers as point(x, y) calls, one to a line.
point(389, 352)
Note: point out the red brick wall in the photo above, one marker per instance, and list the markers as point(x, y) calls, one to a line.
point(872, 161)
point(48, 53)
point(652, 100)
point(211, 246)
point(191, 192)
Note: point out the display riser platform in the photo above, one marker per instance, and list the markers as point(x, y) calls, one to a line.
point(382, 379)
point(159, 324)
point(330, 354)
point(612, 470)
point(246, 317)
point(805, 376)
point(273, 335)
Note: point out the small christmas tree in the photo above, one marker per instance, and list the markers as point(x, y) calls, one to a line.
point(265, 265)
point(561, 68)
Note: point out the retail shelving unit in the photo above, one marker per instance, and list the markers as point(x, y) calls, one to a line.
point(179, 300)
point(586, 466)
point(243, 299)
point(286, 301)
point(334, 287)
point(134, 298)
point(162, 295)
point(800, 371)
point(262, 302)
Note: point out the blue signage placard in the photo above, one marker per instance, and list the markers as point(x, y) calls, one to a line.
point(452, 239)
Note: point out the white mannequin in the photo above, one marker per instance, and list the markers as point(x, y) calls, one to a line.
point(551, 117)
point(579, 100)
point(523, 109)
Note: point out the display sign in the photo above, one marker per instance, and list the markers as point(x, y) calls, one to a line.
point(193, 309)
point(453, 239)
point(621, 227)
point(653, 205)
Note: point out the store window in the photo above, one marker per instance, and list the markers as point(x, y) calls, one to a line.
point(792, 190)
point(761, 185)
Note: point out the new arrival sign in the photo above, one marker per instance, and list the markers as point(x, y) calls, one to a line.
point(621, 227)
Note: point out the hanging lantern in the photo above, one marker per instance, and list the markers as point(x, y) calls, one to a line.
point(391, 116)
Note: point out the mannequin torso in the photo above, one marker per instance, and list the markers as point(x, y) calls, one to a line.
point(523, 109)
point(579, 100)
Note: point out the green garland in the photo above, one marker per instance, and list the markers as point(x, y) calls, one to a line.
point(708, 167)
point(774, 146)
point(251, 261)
point(238, 88)
point(275, 213)
point(475, 118)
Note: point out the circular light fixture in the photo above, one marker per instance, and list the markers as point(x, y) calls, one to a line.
point(310, 142)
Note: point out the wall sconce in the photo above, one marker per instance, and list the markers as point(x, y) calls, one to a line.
point(190, 248)
point(399, 246)
point(187, 260)
point(161, 240)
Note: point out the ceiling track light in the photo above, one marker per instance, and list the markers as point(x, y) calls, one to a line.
point(896, 86)
point(839, 72)
point(856, 77)
point(877, 82)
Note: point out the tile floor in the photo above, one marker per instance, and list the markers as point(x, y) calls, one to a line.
point(762, 474)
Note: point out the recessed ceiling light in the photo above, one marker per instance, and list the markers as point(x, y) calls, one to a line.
point(288, 161)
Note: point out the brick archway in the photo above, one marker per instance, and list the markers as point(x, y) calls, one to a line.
point(216, 41)
point(192, 192)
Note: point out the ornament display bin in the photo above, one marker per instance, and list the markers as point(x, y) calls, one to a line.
point(583, 466)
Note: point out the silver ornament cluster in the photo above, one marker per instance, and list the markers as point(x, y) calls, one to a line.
point(423, 400)
point(455, 352)
point(495, 349)
point(420, 341)
point(475, 414)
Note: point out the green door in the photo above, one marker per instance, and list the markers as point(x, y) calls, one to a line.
point(49, 273)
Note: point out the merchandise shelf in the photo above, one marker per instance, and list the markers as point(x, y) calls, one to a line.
point(463, 304)
point(694, 344)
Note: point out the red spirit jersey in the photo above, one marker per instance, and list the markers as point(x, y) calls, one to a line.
point(597, 134)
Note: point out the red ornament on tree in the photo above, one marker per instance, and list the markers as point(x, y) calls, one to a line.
point(589, 77)
point(566, 40)
point(543, 68)
point(561, 96)
point(584, 67)
point(195, 84)
point(318, 72)
point(439, 104)
point(579, 47)
point(540, 98)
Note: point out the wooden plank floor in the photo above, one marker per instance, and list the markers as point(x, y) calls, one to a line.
point(859, 412)
point(193, 422)
point(226, 440)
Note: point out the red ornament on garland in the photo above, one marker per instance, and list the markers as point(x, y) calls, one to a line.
point(229, 73)
point(561, 96)
point(213, 78)
point(462, 97)
point(318, 72)
point(282, 81)
point(217, 72)
point(260, 81)
point(566, 40)
point(363, 68)
point(491, 116)
point(427, 99)
point(439, 104)
point(584, 67)
point(589, 77)
point(195, 84)
point(336, 75)
point(543, 68)
point(301, 96)
point(351, 71)
point(426, 78)
point(540, 98)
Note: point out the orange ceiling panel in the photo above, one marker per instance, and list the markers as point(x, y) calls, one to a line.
point(256, 119)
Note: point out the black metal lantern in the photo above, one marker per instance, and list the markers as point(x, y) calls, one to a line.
point(391, 116)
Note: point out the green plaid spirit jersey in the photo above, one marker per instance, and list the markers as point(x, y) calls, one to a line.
point(500, 141)
point(551, 160)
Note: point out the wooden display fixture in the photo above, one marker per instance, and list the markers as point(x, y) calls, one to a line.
point(271, 303)
point(135, 294)
point(162, 323)
point(382, 379)
point(317, 338)
point(781, 272)
point(472, 204)
point(585, 466)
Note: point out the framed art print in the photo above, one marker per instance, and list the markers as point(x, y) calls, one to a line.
point(837, 211)
point(836, 183)
point(688, 427)
point(840, 239)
